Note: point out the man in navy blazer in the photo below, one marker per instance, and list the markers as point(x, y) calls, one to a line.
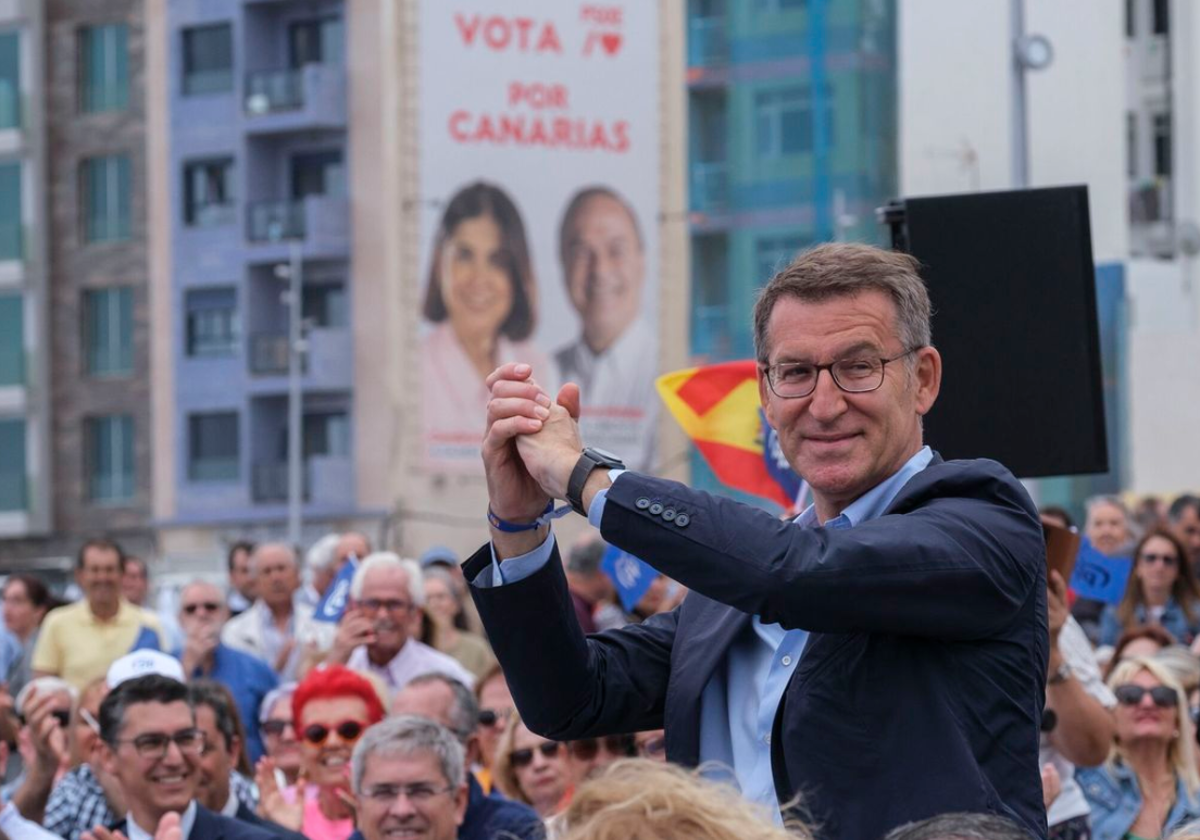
point(152, 746)
point(882, 657)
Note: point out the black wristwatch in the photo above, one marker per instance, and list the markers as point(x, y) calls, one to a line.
point(589, 460)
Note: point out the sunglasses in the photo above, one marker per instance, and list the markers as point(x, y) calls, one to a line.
point(585, 749)
point(1130, 695)
point(523, 758)
point(653, 747)
point(207, 606)
point(490, 717)
point(348, 730)
point(1165, 559)
point(274, 727)
point(62, 716)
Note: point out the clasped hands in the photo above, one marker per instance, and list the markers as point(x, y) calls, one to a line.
point(531, 444)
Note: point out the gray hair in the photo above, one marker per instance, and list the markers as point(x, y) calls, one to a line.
point(44, 686)
point(222, 591)
point(388, 560)
point(288, 548)
point(463, 713)
point(844, 269)
point(1180, 662)
point(585, 556)
point(403, 736)
point(320, 554)
point(282, 692)
point(960, 826)
point(440, 574)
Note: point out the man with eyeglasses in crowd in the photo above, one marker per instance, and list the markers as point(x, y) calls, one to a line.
point(450, 703)
point(869, 655)
point(202, 614)
point(373, 634)
point(408, 774)
point(152, 746)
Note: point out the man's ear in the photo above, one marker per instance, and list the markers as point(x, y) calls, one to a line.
point(107, 758)
point(474, 751)
point(460, 804)
point(235, 751)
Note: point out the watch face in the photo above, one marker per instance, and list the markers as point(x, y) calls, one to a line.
point(604, 455)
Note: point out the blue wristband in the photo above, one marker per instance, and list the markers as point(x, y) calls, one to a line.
point(517, 527)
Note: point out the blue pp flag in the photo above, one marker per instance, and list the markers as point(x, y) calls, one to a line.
point(1098, 577)
point(333, 604)
point(630, 575)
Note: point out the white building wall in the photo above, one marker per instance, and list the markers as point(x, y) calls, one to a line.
point(955, 123)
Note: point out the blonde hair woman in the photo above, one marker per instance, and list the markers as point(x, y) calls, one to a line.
point(1149, 783)
point(531, 769)
point(639, 799)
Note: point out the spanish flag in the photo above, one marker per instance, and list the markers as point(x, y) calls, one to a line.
point(719, 409)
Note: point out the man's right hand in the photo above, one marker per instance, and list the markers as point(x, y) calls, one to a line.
point(517, 406)
point(355, 629)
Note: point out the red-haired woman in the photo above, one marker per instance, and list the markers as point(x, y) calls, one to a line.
point(332, 707)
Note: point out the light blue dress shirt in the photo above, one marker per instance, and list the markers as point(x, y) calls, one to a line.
point(738, 705)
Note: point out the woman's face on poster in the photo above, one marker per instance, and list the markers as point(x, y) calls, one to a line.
point(476, 280)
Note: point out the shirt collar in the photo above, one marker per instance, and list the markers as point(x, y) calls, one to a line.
point(874, 502)
point(230, 808)
point(135, 832)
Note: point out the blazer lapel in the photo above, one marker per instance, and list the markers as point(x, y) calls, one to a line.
point(706, 630)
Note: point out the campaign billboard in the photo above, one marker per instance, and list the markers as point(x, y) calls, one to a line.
point(539, 193)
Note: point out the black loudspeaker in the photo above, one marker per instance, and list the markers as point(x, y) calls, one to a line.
point(1013, 287)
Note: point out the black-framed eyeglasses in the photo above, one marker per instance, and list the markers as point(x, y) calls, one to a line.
point(61, 715)
point(207, 606)
point(796, 380)
point(1131, 694)
point(274, 726)
point(585, 749)
point(420, 793)
point(391, 605)
point(156, 744)
point(1150, 557)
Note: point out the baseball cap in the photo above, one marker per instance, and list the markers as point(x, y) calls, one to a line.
point(141, 663)
point(439, 554)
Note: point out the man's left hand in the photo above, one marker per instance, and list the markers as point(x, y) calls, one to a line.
point(550, 453)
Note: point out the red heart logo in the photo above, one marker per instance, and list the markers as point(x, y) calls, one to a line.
point(611, 42)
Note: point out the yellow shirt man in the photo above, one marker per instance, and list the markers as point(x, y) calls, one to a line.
point(76, 645)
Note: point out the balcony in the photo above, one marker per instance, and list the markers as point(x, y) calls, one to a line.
point(326, 363)
point(309, 97)
point(322, 222)
point(325, 480)
point(708, 41)
point(709, 187)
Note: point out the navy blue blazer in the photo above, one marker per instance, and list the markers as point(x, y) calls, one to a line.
point(920, 691)
point(210, 825)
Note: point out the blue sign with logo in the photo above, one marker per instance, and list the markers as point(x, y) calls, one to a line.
point(1099, 577)
point(630, 575)
point(333, 604)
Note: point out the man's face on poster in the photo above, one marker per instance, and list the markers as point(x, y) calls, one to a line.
point(604, 266)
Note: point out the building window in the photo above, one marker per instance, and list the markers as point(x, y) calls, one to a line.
point(108, 331)
point(11, 234)
point(213, 447)
point(211, 322)
point(12, 340)
point(784, 121)
point(109, 458)
point(208, 59)
point(327, 434)
point(106, 198)
point(771, 253)
point(779, 5)
point(10, 80)
point(325, 304)
point(13, 483)
point(1162, 145)
point(208, 193)
point(1162, 17)
point(104, 68)
point(318, 173)
point(315, 42)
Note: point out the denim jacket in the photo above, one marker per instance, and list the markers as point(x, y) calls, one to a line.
point(1116, 800)
point(1174, 621)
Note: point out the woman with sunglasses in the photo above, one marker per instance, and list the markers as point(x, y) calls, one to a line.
point(279, 734)
point(1162, 590)
point(531, 769)
point(331, 707)
point(1148, 785)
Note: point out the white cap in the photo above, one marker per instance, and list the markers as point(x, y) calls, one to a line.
point(141, 663)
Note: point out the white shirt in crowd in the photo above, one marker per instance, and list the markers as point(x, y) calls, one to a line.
point(413, 660)
point(1077, 653)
